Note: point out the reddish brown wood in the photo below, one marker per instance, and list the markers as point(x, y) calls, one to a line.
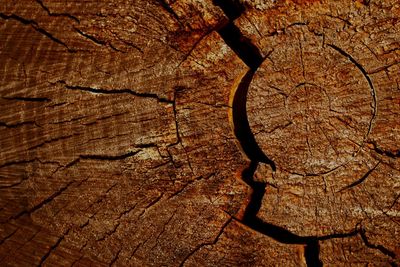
point(199, 133)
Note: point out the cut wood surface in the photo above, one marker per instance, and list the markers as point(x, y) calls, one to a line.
point(199, 133)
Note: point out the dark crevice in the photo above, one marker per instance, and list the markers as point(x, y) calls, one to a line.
point(241, 124)
point(51, 141)
point(40, 2)
point(388, 153)
point(381, 248)
point(213, 242)
point(164, 228)
point(358, 65)
point(283, 235)
point(184, 186)
point(109, 233)
point(114, 91)
point(193, 48)
point(311, 253)
point(241, 45)
point(24, 178)
point(16, 125)
point(52, 248)
point(8, 236)
point(41, 204)
point(232, 9)
point(109, 157)
point(169, 9)
point(104, 43)
point(278, 233)
point(90, 37)
point(112, 262)
point(28, 99)
point(251, 56)
point(152, 203)
point(257, 194)
point(27, 161)
point(362, 179)
point(36, 27)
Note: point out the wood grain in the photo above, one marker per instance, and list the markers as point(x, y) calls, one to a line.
point(199, 133)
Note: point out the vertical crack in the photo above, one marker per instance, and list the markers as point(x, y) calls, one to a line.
point(241, 45)
point(311, 253)
point(233, 37)
point(280, 234)
point(251, 56)
point(258, 191)
point(232, 8)
point(241, 124)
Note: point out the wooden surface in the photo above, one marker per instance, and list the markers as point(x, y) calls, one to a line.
point(199, 133)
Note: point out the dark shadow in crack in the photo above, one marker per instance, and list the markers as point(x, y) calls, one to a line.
point(251, 56)
point(278, 233)
point(232, 9)
point(312, 253)
point(241, 124)
point(241, 45)
point(256, 196)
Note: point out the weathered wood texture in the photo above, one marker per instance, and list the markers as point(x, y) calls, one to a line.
point(199, 133)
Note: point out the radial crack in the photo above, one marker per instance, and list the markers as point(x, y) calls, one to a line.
point(52, 248)
point(90, 37)
point(378, 247)
point(40, 2)
point(221, 231)
point(114, 91)
point(278, 233)
point(362, 179)
point(163, 229)
point(46, 201)
point(36, 27)
point(112, 262)
point(388, 153)
point(151, 204)
point(16, 125)
point(27, 99)
point(8, 236)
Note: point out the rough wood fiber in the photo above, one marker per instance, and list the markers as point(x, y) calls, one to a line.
point(324, 108)
point(127, 139)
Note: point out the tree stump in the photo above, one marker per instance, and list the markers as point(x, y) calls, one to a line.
point(200, 133)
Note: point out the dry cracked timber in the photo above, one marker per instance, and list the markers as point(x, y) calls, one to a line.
point(199, 133)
